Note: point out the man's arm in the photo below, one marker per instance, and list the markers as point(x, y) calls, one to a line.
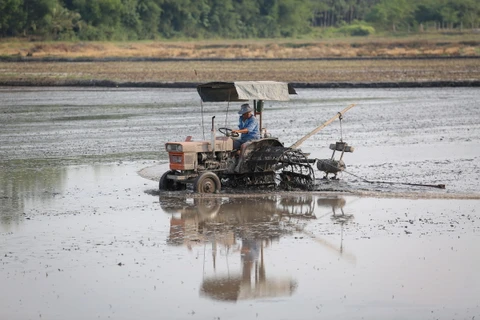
point(250, 125)
point(240, 131)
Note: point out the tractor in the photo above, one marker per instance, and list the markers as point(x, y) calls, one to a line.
point(209, 165)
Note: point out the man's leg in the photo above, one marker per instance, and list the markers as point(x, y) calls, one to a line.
point(241, 156)
point(237, 144)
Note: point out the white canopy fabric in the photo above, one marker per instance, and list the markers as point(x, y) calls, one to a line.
point(245, 91)
point(236, 288)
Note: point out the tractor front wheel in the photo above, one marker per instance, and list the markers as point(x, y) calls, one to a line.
point(207, 182)
point(166, 184)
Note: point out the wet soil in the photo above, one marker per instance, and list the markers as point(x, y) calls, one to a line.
point(84, 232)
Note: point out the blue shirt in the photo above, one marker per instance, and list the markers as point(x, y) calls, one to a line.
point(252, 125)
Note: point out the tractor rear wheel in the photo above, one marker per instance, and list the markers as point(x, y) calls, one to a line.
point(166, 184)
point(207, 182)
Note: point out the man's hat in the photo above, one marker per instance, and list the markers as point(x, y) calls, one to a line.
point(245, 108)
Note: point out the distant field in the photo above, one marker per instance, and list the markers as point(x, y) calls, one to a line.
point(404, 70)
point(415, 59)
point(412, 46)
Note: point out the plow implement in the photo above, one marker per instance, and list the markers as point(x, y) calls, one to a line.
point(279, 166)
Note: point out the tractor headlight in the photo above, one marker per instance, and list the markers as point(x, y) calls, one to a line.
point(174, 147)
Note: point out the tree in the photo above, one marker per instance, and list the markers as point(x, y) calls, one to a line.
point(223, 19)
point(36, 12)
point(468, 12)
point(449, 15)
point(12, 18)
point(149, 12)
point(62, 21)
point(293, 17)
point(130, 17)
point(318, 8)
point(392, 12)
point(248, 15)
point(428, 10)
point(174, 17)
point(100, 12)
point(148, 19)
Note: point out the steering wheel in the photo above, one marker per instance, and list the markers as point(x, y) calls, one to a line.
point(228, 132)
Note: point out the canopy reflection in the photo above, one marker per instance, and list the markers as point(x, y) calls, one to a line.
point(250, 227)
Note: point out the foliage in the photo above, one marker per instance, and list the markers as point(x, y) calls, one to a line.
point(356, 29)
point(197, 19)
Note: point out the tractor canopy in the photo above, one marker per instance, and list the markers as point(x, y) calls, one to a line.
point(245, 91)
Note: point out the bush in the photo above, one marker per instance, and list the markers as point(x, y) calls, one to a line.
point(356, 30)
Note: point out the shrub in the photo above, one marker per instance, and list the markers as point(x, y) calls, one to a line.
point(356, 30)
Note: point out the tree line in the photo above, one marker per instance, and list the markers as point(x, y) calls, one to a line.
point(151, 19)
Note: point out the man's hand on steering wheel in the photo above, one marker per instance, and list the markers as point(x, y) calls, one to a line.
point(228, 132)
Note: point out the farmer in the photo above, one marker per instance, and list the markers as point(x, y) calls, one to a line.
point(247, 126)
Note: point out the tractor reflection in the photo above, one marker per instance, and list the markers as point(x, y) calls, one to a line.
point(247, 226)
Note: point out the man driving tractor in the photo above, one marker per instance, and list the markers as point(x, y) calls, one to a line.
point(247, 126)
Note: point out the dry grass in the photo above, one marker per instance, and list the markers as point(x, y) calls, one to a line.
point(353, 47)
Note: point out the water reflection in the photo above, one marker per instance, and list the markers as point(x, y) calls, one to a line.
point(23, 187)
point(28, 190)
point(248, 228)
point(339, 217)
point(251, 282)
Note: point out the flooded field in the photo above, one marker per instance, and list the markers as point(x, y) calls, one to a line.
point(85, 234)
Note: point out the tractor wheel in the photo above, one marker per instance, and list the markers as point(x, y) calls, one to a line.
point(166, 184)
point(207, 182)
point(208, 208)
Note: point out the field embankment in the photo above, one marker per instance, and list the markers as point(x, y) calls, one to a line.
point(373, 62)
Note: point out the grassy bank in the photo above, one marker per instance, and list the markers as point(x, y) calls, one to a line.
point(410, 46)
point(403, 70)
point(449, 59)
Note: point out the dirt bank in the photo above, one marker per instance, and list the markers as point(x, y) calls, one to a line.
point(303, 73)
point(179, 85)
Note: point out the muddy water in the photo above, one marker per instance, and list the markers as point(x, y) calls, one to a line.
point(83, 235)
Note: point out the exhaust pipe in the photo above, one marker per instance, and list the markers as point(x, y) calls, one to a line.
point(212, 135)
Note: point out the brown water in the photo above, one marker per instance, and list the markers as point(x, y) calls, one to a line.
point(84, 236)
